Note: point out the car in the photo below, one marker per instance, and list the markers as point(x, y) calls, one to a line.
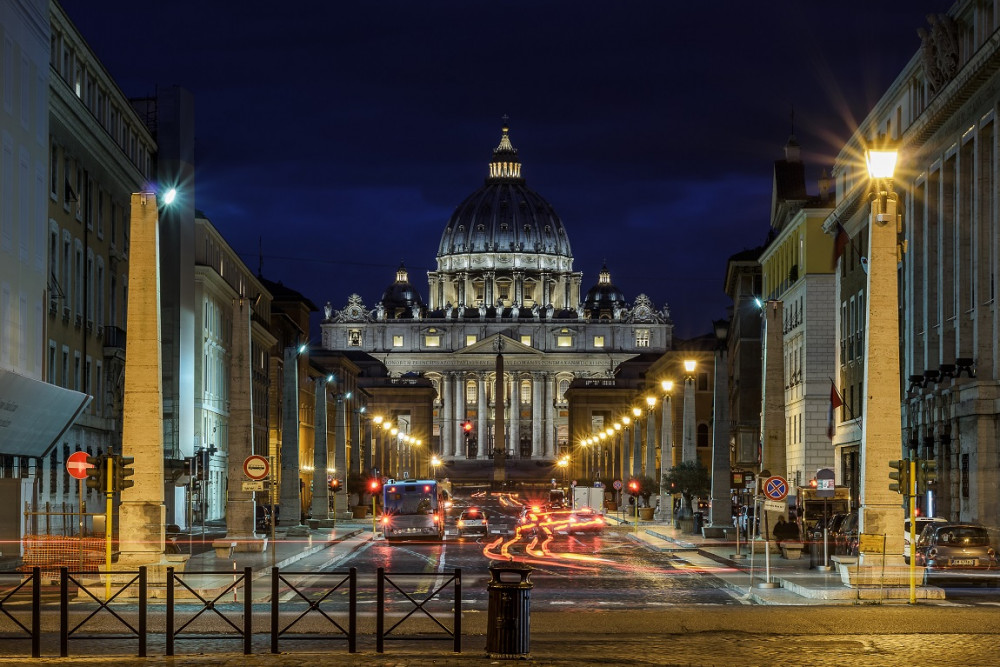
point(957, 552)
point(845, 539)
point(743, 521)
point(585, 520)
point(472, 521)
point(922, 522)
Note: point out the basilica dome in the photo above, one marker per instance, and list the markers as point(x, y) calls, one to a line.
point(504, 215)
point(400, 299)
point(604, 298)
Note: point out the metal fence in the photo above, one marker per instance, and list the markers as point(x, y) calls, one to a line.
point(122, 599)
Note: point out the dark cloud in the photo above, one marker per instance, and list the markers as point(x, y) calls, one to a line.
point(340, 135)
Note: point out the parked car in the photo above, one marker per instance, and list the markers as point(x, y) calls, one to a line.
point(922, 522)
point(957, 552)
point(845, 539)
point(472, 521)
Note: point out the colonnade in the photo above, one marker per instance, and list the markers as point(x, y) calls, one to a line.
point(456, 410)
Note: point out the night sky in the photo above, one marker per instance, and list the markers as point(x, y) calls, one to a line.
point(340, 136)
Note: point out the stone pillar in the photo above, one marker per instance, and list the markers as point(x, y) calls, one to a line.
point(881, 435)
point(320, 507)
point(637, 447)
point(721, 508)
point(355, 446)
point(482, 411)
point(537, 395)
point(240, 507)
point(626, 460)
point(666, 455)
point(290, 504)
point(142, 513)
point(340, 451)
point(773, 413)
point(689, 447)
point(650, 469)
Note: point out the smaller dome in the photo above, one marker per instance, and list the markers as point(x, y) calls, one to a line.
point(604, 297)
point(400, 298)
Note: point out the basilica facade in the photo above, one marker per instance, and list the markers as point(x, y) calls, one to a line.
point(504, 286)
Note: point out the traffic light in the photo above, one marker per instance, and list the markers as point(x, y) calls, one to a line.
point(901, 475)
point(96, 478)
point(467, 427)
point(123, 470)
point(926, 474)
point(633, 486)
point(335, 484)
point(374, 485)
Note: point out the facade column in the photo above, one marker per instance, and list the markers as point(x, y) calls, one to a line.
point(355, 446)
point(290, 503)
point(482, 413)
point(689, 446)
point(461, 290)
point(546, 289)
point(446, 446)
point(489, 278)
point(458, 381)
point(773, 456)
point(626, 459)
point(637, 447)
point(515, 417)
point(650, 470)
point(320, 507)
point(550, 417)
point(537, 396)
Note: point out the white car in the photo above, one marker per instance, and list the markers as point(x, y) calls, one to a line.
point(921, 522)
point(472, 522)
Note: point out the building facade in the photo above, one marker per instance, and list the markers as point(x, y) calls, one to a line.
point(942, 110)
point(504, 283)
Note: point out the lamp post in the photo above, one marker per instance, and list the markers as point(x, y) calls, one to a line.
point(881, 435)
point(666, 450)
point(376, 427)
point(625, 456)
point(720, 509)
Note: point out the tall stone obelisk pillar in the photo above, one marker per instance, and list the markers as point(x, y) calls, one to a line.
point(142, 513)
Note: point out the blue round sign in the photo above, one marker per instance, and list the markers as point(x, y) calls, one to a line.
point(775, 488)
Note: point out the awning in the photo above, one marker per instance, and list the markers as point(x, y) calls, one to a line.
point(34, 415)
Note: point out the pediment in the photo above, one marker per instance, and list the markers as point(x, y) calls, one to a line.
point(489, 346)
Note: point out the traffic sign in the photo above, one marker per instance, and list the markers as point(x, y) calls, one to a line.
point(618, 485)
point(775, 505)
point(775, 487)
point(77, 465)
point(256, 467)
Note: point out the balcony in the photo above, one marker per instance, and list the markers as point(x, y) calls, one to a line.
point(114, 337)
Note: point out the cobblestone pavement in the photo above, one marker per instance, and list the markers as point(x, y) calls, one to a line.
point(711, 648)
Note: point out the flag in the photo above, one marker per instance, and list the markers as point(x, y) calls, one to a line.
point(840, 242)
point(835, 402)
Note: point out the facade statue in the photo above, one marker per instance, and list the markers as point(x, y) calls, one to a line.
point(415, 310)
point(327, 312)
point(380, 312)
point(549, 309)
point(482, 311)
point(534, 311)
point(448, 308)
point(515, 311)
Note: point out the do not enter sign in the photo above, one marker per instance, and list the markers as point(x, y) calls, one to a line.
point(256, 467)
point(77, 465)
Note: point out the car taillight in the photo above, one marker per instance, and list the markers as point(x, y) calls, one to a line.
point(385, 519)
point(461, 523)
point(436, 518)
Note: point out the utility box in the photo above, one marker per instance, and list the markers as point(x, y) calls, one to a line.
point(589, 496)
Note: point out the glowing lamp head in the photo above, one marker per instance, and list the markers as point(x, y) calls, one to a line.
point(626, 420)
point(637, 412)
point(651, 401)
point(881, 163)
point(689, 365)
point(667, 386)
point(169, 196)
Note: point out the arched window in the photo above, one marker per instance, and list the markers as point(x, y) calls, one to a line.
point(525, 391)
point(470, 392)
point(703, 435)
point(563, 386)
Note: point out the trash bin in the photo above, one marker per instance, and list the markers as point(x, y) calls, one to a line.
point(699, 521)
point(509, 614)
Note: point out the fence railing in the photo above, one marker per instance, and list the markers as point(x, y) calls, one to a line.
point(122, 599)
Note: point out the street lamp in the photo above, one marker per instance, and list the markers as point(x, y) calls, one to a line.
point(666, 447)
point(881, 434)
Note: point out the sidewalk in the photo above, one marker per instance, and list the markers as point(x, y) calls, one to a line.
point(795, 581)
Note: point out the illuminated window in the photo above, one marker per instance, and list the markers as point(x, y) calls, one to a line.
point(642, 337)
point(564, 341)
point(397, 340)
point(432, 341)
point(525, 391)
point(470, 339)
point(598, 341)
point(526, 339)
point(354, 338)
point(563, 386)
point(470, 391)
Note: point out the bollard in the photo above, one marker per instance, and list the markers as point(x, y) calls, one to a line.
point(508, 630)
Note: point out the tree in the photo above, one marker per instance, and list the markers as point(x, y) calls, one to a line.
point(690, 479)
point(647, 487)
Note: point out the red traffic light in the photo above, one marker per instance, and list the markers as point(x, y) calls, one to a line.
point(334, 484)
point(633, 485)
point(466, 426)
point(813, 483)
point(373, 485)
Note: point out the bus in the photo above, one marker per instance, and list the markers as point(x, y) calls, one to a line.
point(412, 508)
